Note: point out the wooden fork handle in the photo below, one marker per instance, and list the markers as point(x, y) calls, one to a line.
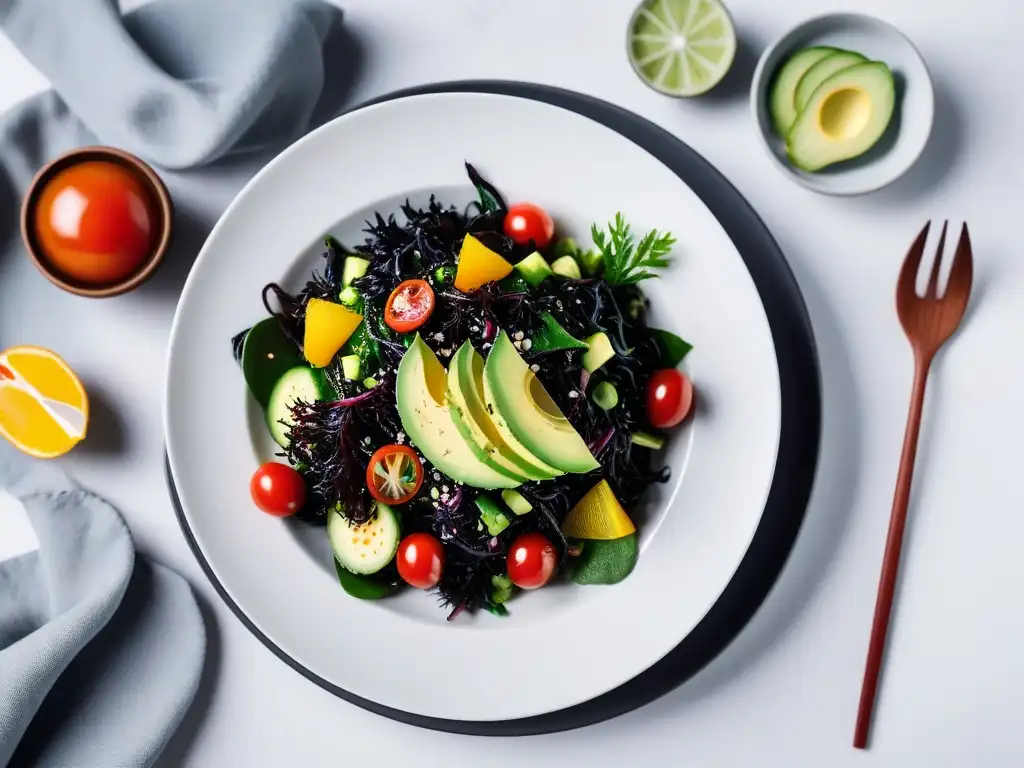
point(891, 560)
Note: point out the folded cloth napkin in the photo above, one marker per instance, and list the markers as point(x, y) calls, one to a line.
point(101, 650)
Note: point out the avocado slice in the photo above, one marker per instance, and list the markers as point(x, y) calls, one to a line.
point(469, 413)
point(822, 71)
point(845, 118)
point(782, 99)
point(421, 389)
point(525, 414)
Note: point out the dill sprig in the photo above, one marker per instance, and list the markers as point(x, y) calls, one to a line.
point(626, 263)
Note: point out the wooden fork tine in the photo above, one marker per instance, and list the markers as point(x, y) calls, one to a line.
point(932, 291)
point(962, 272)
point(912, 264)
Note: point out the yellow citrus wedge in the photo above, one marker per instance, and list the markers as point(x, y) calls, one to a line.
point(598, 515)
point(44, 410)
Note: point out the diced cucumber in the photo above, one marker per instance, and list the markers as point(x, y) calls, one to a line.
point(554, 336)
point(299, 383)
point(592, 261)
point(369, 382)
point(349, 296)
point(355, 267)
point(599, 351)
point(566, 247)
point(605, 395)
point(647, 440)
point(501, 589)
point(567, 266)
point(267, 353)
point(516, 501)
point(364, 548)
point(351, 366)
point(444, 274)
point(534, 269)
point(491, 515)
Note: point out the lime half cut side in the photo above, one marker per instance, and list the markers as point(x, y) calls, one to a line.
point(681, 47)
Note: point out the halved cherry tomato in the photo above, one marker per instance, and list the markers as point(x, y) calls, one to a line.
point(420, 560)
point(409, 305)
point(394, 474)
point(278, 489)
point(531, 561)
point(525, 222)
point(669, 398)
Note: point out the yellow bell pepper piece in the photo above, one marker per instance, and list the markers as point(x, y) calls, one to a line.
point(328, 327)
point(478, 265)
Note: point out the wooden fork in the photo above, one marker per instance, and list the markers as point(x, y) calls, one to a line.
point(928, 321)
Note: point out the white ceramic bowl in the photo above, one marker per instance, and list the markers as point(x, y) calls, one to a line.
point(911, 125)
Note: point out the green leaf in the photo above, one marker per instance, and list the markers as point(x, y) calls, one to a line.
point(360, 586)
point(673, 349)
point(626, 261)
point(606, 562)
point(553, 336)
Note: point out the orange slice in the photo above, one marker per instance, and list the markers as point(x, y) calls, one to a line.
point(44, 410)
point(598, 515)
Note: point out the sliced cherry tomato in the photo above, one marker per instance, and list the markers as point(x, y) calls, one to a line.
point(525, 222)
point(420, 560)
point(5, 373)
point(409, 305)
point(278, 489)
point(394, 474)
point(669, 398)
point(531, 561)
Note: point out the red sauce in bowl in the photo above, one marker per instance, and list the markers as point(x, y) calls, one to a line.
point(96, 222)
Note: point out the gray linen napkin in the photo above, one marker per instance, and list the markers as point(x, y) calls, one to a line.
point(101, 650)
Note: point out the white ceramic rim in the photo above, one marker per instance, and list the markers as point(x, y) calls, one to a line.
point(724, 465)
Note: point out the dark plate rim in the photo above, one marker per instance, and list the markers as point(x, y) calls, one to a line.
point(799, 441)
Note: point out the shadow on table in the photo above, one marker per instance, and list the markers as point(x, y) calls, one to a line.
point(194, 721)
point(827, 518)
point(107, 435)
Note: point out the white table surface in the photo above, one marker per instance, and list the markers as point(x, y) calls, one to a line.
point(786, 691)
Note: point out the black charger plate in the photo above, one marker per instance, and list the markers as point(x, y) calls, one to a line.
point(798, 442)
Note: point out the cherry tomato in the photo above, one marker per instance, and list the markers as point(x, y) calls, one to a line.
point(420, 560)
point(531, 561)
point(95, 222)
point(409, 305)
point(525, 222)
point(669, 398)
point(278, 489)
point(394, 474)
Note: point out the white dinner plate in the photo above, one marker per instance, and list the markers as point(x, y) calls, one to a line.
point(561, 645)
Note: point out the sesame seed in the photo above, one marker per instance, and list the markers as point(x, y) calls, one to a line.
point(574, 394)
point(433, 492)
point(445, 488)
point(400, 437)
point(436, 476)
point(438, 336)
point(444, 497)
point(518, 335)
point(534, 367)
point(517, 344)
point(487, 344)
point(527, 344)
point(578, 301)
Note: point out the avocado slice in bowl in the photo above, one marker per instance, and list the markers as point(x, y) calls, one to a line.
point(469, 412)
point(421, 395)
point(846, 116)
point(822, 71)
point(782, 98)
point(526, 416)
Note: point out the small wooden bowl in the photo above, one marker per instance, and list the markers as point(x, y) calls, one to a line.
point(163, 209)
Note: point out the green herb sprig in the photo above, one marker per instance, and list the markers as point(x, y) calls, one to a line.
point(626, 262)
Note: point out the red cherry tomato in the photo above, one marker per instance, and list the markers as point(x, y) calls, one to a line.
point(420, 560)
point(95, 222)
point(525, 222)
point(394, 474)
point(278, 489)
point(669, 398)
point(409, 305)
point(531, 561)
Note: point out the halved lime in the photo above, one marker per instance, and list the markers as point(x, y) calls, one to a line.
point(681, 47)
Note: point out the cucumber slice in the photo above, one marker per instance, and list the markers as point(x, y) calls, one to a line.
point(351, 366)
point(491, 515)
point(592, 261)
point(299, 383)
point(567, 246)
point(266, 355)
point(367, 547)
point(349, 296)
point(567, 266)
point(599, 351)
point(647, 440)
point(355, 267)
point(605, 395)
